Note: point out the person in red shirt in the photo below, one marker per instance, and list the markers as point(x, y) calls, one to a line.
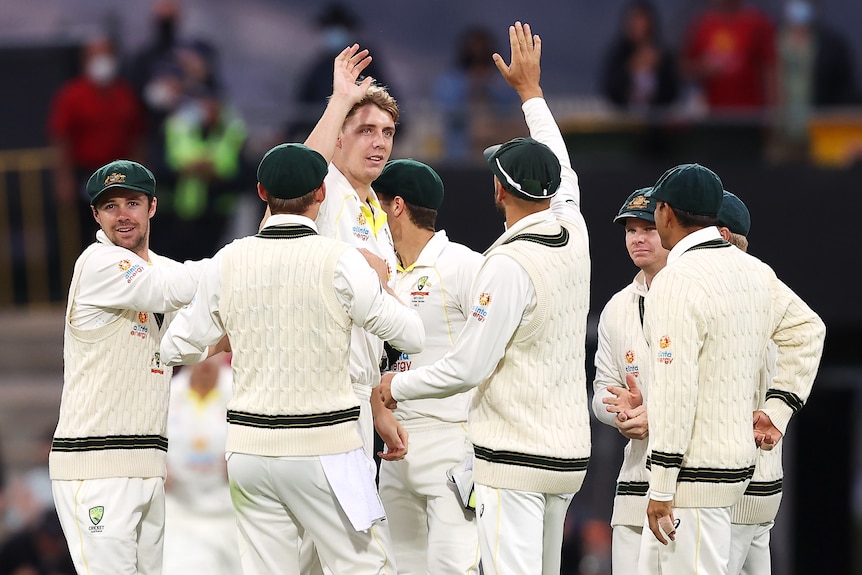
point(95, 118)
point(730, 52)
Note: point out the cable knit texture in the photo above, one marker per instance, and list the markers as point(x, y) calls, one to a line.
point(535, 403)
point(708, 320)
point(290, 339)
point(114, 407)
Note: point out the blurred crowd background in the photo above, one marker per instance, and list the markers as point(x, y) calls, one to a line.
point(765, 92)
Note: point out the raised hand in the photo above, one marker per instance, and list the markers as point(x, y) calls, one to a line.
point(349, 65)
point(524, 71)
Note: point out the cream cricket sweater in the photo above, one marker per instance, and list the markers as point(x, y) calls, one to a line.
point(530, 422)
point(622, 349)
point(708, 319)
point(114, 406)
point(290, 338)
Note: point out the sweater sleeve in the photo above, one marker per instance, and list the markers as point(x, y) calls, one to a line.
point(607, 374)
point(799, 336)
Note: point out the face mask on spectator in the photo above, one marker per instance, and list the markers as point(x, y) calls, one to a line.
point(102, 69)
point(799, 12)
point(336, 38)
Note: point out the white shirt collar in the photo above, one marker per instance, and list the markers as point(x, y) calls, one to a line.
point(694, 238)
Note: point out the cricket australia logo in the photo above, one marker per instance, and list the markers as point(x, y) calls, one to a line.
point(96, 514)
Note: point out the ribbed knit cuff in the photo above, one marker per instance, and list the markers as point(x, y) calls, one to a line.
point(629, 510)
point(66, 466)
point(779, 412)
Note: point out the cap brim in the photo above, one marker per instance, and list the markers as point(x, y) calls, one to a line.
point(119, 185)
point(646, 216)
point(490, 151)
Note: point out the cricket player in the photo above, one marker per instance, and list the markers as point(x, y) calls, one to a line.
point(623, 363)
point(107, 460)
point(706, 371)
point(287, 299)
point(523, 347)
point(432, 530)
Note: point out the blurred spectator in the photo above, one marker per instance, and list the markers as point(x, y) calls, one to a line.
point(639, 71)
point(339, 28)
point(729, 54)
point(200, 526)
point(816, 70)
point(204, 142)
point(165, 70)
point(95, 118)
point(38, 549)
point(475, 99)
point(29, 492)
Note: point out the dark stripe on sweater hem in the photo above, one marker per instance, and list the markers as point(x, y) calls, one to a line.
point(552, 241)
point(791, 399)
point(77, 444)
point(764, 488)
point(293, 421)
point(699, 474)
point(527, 460)
point(632, 488)
point(289, 232)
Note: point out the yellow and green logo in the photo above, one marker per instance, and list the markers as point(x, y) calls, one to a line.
point(96, 514)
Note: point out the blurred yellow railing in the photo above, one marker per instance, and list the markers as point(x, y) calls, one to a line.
point(27, 210)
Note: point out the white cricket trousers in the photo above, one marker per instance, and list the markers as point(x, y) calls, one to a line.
point(520, 532)
point(198, 542)
point(702, 544)
point(113, 526)
point(431, 530)
point(749, 550)
point(280, 500)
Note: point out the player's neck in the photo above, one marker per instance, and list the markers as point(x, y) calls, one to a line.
point(411, 245)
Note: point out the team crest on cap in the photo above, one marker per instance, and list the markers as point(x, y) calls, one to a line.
point(115, 178)
point(125, 265)
point(638, 203)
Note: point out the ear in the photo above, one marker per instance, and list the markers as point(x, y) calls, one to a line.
point(398, 207)
point(725, 233)
point(320, 193)
point(500, 193)
point(153, 206)
point(261, 193)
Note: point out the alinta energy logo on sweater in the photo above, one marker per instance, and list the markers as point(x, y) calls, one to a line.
point(630, 360)
point(665, 356)
point(480, 312)
point(130, 270)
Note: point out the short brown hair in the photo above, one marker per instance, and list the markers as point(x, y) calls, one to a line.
point(298, 205)
point(380, 97)
point(421, 217)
